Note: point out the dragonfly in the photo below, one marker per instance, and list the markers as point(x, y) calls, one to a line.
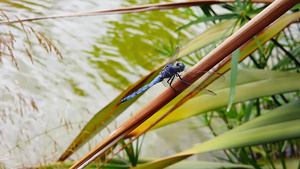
point(170, 72)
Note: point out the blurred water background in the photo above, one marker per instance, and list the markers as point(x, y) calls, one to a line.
point(45, 104)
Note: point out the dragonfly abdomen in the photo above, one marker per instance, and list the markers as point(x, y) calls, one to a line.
point(158, 79)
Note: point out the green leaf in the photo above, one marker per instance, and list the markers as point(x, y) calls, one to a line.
point(206, 19)
point(233, 77)
point(251, 83)
point(279, 124)
point(290, 163)
point(162, 163)
point(205, 165)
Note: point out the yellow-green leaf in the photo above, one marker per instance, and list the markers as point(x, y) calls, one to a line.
point(279, 124)
point(251, 83)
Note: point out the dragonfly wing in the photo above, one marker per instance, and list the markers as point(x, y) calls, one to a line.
point(211, 76)
point(165, 83)
point(192, 87)
point(174, 57)
point(195, 88)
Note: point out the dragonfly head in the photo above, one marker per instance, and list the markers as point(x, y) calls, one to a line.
point(180, 66)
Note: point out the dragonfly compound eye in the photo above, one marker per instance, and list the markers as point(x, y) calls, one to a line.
point(180, 66)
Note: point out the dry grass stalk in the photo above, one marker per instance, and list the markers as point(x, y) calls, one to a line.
point(22, 25)
point(6, 45)
point(12, 39)
point(29, 54)
point(7, 41)
point(47, 40)
point(50, 44)
point(39, 39)
point(6, 17)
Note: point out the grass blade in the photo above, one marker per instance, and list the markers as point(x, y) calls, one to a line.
point(233, 76)
point(279, 124)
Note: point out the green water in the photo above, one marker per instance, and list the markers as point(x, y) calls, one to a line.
point(44, 105)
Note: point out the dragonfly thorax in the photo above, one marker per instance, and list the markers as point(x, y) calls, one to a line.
point(171, 70)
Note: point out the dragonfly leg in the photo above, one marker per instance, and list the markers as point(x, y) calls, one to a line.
point(178, 75)
point(170, 81)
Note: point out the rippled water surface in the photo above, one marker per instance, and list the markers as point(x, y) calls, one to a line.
point(44, 104)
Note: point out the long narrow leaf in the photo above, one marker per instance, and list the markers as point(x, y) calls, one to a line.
point(250, 84)
point(279, 124)
point(205, 165)
point(206, 19)
point(233, 76)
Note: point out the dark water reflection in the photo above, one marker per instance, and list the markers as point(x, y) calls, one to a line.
point(48, 102)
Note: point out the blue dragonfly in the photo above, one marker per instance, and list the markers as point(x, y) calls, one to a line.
point(168, 74)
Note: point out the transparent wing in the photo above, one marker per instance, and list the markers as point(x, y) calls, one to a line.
point(174, 57)
point(203, 81)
